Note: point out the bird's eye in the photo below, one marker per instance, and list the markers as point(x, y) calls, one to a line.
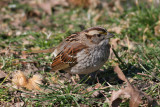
point(98, 35)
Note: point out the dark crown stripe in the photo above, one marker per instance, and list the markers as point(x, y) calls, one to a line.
point(96, 28)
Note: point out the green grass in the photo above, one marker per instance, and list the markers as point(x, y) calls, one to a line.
point(144, 58)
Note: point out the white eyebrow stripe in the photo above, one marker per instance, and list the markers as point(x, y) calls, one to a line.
point(94, 32)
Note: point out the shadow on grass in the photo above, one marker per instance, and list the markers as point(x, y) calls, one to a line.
point(106, 76)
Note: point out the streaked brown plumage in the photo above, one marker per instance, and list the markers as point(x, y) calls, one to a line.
point(83, 52)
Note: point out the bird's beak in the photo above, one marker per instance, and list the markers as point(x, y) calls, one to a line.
point(109, 35)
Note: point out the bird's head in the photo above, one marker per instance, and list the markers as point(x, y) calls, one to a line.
point(97, 35)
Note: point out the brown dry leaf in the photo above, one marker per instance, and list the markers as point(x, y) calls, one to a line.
point(120, 73)
point(55, 80)
point(61, 81)
point(1, 66)
point(48, 5)
point(23, 56)
point(2, 74)
point(116, 5)
point(119, 6)
point(157, 29)
point(20, 80)
point(129, 91)
point(98, 86)
point(130, 44)
point(95, 94)
point(4, 3)
point(89, 89)
point(84, 3)
point(19, 104)
point(115, 42)
point(114, 97)
point(5, 51)
point(116, 29)
point(123, 43)
point(26, 41)
point(35, 48)
point(127, 43)
point(34, 82)
point(77, 78)
point(32, 13)
point(59, 2)
point(98, 16)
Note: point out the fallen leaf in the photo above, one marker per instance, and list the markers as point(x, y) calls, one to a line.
point(97, 17)
point(89, 89)
point(95, 94)
point(19, 104)
point(84, 3)
point(129, 92)
point(59, 2)
point(119, 6)
point(20, 80)
point(47, 6)
point(97, 86)
point(55, 80)
point(35, 48)
point(157, 29)
point(116, 29)
point(123, 43)
point(115, 42)
point(2, 74)
point(120, 73)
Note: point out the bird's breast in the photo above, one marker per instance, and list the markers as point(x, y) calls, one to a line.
point(90, 60)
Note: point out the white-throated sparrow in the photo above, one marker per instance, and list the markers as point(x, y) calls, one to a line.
point(83, 52)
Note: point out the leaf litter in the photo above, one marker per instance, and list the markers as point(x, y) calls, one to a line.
point(131, 92)
point(15, 25)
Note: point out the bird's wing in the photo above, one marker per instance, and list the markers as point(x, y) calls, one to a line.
point(67, 57)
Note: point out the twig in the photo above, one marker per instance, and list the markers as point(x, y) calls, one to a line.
point(144, 74)
point(123, 63)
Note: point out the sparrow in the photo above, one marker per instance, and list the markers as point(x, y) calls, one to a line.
point(82, 52)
